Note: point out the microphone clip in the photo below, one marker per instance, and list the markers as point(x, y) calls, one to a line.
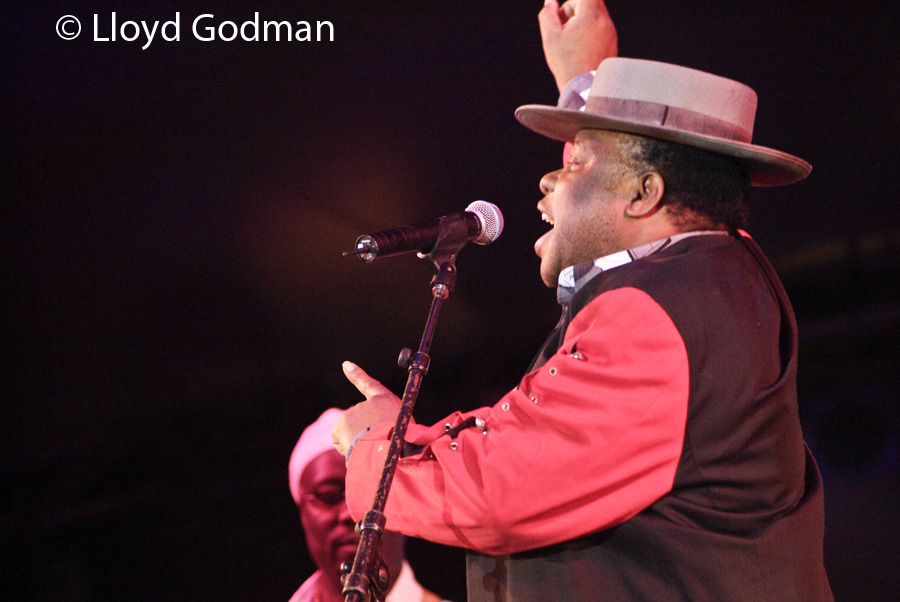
point(453, 235)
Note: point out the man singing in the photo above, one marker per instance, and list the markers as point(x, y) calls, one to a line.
point(653, 449)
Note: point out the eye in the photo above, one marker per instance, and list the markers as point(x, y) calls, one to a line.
point(330, 497)
point(326, 497)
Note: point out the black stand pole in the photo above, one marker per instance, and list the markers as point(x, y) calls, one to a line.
point(369, 573)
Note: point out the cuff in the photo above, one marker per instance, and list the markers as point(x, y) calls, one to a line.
point(355, 441)
point(574, 95)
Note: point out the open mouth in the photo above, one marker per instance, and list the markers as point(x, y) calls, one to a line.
point(541, 243)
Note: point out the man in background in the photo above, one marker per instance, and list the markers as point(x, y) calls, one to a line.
point(316, 472)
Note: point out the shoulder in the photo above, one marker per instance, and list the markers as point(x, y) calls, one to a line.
point(687, 269)
point(428, 596)
point(306, 591)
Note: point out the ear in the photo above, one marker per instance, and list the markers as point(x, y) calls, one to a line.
point(647, 196)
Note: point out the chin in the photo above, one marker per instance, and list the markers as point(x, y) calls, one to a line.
point(546, 276)
point(551, 280)
point(346, 557)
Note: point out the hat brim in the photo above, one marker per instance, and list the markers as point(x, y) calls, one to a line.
point(765, 166)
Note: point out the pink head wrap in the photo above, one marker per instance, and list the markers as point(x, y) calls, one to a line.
point(315, 440)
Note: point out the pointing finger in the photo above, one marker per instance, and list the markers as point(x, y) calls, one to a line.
point(364, 383)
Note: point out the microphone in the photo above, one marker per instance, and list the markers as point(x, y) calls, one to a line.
point(483, 221)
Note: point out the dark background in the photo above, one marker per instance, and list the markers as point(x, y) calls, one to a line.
point(176, 307)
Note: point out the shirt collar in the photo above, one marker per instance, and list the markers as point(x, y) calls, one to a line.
point(405, 587)
point(573, 278)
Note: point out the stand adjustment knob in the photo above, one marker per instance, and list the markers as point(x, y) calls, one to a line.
point(405, 357)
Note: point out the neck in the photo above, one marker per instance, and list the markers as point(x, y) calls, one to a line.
point(329, 589)
point(328, 594)
point(664, 224)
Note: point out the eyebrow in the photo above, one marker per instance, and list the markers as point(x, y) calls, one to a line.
point(329, 482)
point(581, 142)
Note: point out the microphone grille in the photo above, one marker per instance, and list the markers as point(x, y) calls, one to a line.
point(491, 221)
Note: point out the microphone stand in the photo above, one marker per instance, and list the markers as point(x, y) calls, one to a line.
point(369, 571)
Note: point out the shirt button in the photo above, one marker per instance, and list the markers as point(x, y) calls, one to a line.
point(534, 399)
point(552, 371)
point(505, 407)
point(453, 445)
point(577, 356)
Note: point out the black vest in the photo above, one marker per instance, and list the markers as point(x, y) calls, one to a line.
point(744, 519)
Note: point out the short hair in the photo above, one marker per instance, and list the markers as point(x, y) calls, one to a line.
point(699, 185)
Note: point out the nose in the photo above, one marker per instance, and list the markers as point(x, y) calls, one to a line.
point(344, 513)
point(548, 182)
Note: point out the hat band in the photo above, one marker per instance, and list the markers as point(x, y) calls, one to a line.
point(674, 118)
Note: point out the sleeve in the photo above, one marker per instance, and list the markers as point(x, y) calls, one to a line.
point(584, 443)
point(574, 96)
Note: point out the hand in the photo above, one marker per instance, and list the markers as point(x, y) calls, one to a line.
point(576, 36)
point(380, 406)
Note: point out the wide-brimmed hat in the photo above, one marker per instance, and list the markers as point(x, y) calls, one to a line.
point(673, 103)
